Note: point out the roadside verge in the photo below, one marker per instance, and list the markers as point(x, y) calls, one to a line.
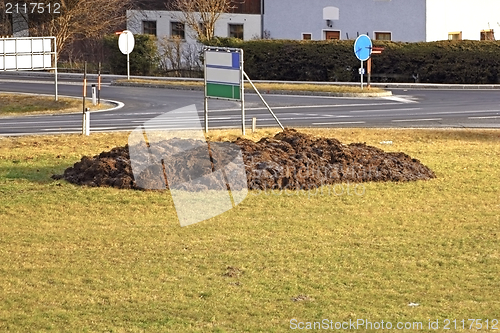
point(309, 89)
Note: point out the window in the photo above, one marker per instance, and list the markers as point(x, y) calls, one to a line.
point(487, 34)
point(306, 36)
point(177, 30)
point(236, 31)
point(149, 27)
point(457, 35)
point(203, 30)
point(332, 35)
point(383, 36)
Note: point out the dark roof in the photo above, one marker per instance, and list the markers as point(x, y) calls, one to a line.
point(241, 6)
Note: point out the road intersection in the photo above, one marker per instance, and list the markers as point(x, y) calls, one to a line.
point(421, 108)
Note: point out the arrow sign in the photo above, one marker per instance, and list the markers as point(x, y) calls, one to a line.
point(363, 47)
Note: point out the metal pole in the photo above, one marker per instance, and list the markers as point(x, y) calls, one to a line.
point(263, 101)
point(361, 74)
point(4, 57)
point(55, 69)
point(99, 85)
point(128, 59)
point(87, 123)
point(206, 114)
point(84, 95)
point(242, 94)
point(205, 102)
point(369, 70)
point(94, 94)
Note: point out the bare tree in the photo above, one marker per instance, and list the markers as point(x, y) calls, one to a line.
point(201, 15)
point(5, 23)
point(179, 58)
point(79, 19)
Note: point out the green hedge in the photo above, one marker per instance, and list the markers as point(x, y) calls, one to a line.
point(435, 62)
point(143, 59)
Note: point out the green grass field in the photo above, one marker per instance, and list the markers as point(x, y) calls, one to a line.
point(20, 104)
point(101, 259)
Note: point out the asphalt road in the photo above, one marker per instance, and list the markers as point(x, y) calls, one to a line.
point(407, 108)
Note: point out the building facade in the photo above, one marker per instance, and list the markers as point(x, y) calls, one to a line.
point(345, 19)
point(168, 24)
point(159, 17)
point(462, 19)
point(397, 20)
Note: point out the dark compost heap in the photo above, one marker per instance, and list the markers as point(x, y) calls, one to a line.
point(289, 160)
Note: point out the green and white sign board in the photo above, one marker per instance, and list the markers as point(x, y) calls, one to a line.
point(224, 73)
point(224, 78)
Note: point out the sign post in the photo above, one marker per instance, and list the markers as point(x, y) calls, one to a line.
point(363, 50)
point(126, 43)
point(29, 54)
point(99, 84)
point(86, 113)
point(224, 78)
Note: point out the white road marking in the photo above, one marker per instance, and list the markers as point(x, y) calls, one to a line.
point(51, 81)
point(341, 123)
point(400, 99)
point(458, 112)
point(387, 110)
point(60, 129)
point(490, 117)
point(303, 107)
point(411, 120)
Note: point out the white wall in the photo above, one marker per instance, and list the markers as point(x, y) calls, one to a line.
point(251, 23)
point(468, 16)
point(288, 19)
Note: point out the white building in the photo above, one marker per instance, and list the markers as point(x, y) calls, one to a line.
point(162, 23)
point(462, 19)
point(397, 20)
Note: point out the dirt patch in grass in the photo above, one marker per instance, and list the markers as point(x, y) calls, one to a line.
point(289, 160)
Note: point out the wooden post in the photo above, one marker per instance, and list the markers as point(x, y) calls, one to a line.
point(369, 69)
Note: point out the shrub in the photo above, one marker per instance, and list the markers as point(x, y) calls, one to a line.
point(433, 62)
point(143, 59)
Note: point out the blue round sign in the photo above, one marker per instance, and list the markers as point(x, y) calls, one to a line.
point(363, 47)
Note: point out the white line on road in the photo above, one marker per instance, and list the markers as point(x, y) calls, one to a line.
point(341, 123)
point(400, 99)
point(470, 111)
point(51, 81)
point(305, 107)
point(387, 110)
point(410, 120)
point(490, 117)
